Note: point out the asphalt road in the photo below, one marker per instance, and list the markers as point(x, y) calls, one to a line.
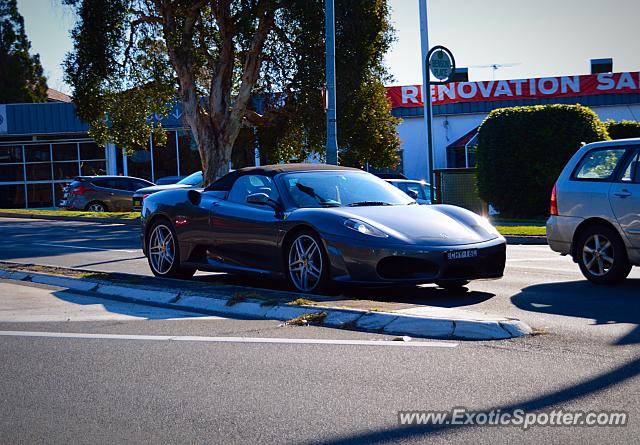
point(135, 374)
point(539, 287)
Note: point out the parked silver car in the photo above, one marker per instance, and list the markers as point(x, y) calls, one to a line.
point(102, 193)
point(418, 190)
point(595, 210)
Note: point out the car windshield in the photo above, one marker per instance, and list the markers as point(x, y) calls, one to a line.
point(194, 179)
point(341, 189)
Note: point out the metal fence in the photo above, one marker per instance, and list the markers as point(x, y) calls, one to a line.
point(459, 186)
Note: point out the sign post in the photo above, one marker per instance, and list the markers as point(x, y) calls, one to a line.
point(442, 65)
point(332, 131)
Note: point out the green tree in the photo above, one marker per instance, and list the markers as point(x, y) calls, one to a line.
point(21, 78)
point(366, 128)
point(623, 129)
point(131, 58)
point(522, 150)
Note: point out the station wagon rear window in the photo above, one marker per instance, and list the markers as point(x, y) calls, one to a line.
point(599, 165)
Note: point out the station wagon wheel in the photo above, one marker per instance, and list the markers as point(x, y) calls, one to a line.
point(307, 266)
point(163, 253)
point(96, 206)
point(602, 255)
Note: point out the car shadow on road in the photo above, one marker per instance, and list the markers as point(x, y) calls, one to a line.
point(146, 311)
point(429, 295)
point(602, 304)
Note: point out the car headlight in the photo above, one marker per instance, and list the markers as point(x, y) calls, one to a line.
point(364, 228)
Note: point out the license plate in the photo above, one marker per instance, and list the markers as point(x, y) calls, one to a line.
point(462, 254)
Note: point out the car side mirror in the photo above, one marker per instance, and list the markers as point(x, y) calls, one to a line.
point(195, 197)
point(413, 194)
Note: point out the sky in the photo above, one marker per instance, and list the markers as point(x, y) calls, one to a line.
point(537, 38)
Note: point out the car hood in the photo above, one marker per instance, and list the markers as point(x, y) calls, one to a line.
point(437, 225)
point(159, 188)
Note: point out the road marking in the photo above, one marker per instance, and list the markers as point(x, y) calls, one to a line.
point(513, 260)
point(87, 248)
point(299, 341)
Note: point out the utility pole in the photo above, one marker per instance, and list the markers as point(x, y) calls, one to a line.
point(426, 89)
point(332, 132)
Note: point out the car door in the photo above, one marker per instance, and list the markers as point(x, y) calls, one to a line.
point(121, 194)
point(246, 234)
point(624, 196)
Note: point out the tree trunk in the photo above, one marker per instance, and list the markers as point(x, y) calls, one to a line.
point(215, 153)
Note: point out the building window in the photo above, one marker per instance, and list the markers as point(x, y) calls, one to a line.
point(33, 174)
point(164, 157)
point(189, 154)
point(12, 196)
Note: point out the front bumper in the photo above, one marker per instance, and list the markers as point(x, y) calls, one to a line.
point(361, 263)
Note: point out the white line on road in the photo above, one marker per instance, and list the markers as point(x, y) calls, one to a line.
point(513, 260)
point(303, 341)
point(87, 248)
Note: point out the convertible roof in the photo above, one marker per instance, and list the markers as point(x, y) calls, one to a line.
point(226, 182)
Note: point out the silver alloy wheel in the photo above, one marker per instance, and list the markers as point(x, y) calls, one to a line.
point(161, 249)
point(96, 207)
point(598, 255)
point(305, 263)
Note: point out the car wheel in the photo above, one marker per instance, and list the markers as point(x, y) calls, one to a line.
point(307, 263)
point(163, 252)
point(96, 206)
point(454, 284)
point(602, 255)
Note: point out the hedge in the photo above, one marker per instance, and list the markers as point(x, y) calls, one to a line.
point(522, 150)
point(622, 129)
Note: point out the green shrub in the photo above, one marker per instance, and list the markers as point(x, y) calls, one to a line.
point(622, 129)
point(522, 150)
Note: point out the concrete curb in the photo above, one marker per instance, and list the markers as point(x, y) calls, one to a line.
point(441, 323)
point(127, 221)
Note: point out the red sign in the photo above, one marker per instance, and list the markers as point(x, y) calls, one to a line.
point(494, 90)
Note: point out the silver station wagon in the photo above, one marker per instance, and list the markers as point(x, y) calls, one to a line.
point(595, 210)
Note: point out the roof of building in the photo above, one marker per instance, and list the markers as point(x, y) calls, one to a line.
point(463, 140)
point(57, 96)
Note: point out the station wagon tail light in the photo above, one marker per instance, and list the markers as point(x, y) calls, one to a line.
point(80, 190)
point(554, 201)
point(145, 196)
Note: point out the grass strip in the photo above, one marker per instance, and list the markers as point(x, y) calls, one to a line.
point(73, 213)
point(522, 230)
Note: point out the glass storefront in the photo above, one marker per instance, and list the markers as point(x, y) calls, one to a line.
point(178, 156)
point(32, 175)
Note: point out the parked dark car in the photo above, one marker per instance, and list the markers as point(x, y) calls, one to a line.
point(168, 180)
point(102, 193)
point(418, 190)
point(315, 223)
point(194, 180)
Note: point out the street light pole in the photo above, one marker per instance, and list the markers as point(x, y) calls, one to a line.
point(332, 131)
point(426, 89)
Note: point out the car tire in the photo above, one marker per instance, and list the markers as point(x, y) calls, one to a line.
point(96, 206)
point(453, 284)
point(163, 252)
point(602, 255)
point(306, 262)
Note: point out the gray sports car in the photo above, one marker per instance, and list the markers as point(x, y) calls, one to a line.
point(315, 223)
